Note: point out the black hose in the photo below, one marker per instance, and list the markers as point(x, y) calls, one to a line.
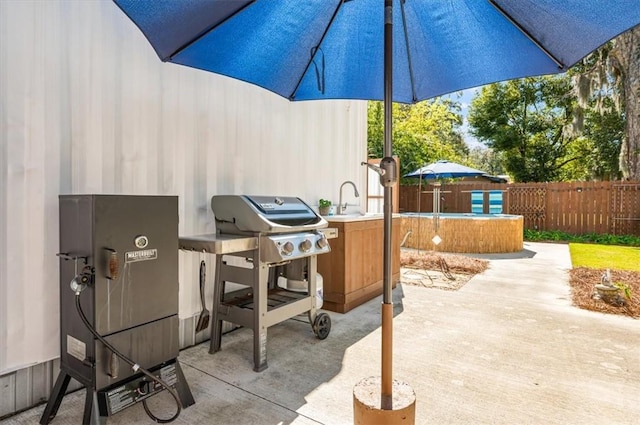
point(136, 368)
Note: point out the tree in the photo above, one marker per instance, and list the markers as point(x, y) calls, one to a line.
point(614, 71)
point(422, 133)
point(486, 159)
point(527, 121)
point(598, 146)
point(626, 60)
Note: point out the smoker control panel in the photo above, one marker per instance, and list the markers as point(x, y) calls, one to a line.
point(119, 398)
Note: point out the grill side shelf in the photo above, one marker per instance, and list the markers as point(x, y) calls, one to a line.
point(214, 243)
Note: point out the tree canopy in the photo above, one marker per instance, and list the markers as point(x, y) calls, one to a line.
point(543, 133)
point(608, 81)
point(422, 133)
point(526, 121)
point(577, 126)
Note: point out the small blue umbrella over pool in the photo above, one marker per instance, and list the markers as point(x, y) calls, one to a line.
point(444, 169)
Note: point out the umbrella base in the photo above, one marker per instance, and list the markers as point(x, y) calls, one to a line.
point(367, 403)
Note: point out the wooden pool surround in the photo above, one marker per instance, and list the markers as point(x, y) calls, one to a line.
point(464, 233)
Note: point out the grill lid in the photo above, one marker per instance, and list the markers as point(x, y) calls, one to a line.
point(263, 214)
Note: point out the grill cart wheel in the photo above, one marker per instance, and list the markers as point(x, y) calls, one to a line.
point(322, 325)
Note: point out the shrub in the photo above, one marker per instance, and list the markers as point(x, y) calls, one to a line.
point(559, 236)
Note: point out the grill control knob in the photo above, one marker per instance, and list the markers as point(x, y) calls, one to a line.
point(287, 248)
point(322, 243)
point(305, 245)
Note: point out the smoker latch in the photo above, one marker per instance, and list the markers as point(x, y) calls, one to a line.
point(113, 265)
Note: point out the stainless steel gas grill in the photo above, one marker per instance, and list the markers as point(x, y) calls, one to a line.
point(260, 239)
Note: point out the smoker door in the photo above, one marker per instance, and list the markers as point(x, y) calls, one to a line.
point(141, 232)
point(148, 345)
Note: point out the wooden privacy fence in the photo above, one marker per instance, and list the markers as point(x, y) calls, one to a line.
point(607, 207)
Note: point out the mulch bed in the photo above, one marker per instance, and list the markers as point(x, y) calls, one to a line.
point(583, 280)
point(429, 260)
point(440, 271)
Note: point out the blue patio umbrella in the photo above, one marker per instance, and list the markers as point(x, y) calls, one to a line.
point(396, 50)
point(333, 49)
point(444, 169)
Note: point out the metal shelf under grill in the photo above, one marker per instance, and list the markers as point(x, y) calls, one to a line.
point(275, 298)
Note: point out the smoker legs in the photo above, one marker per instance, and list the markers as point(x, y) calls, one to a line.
point(182, 388)
point(60, 387)
point(91, 415)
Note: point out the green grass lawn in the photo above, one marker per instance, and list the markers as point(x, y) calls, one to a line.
point(611, 257)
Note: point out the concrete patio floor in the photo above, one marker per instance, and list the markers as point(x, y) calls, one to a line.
point(506, 348)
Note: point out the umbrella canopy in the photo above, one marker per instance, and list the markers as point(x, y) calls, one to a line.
point(445, 169)
point(333, 49)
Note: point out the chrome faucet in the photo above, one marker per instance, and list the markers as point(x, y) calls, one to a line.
point(343, 207)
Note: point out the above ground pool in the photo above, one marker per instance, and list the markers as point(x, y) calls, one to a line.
point(463, 232)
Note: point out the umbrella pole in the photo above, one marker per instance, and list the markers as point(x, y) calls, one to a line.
point(418, 240)
point(365, 410)
point(387, 297)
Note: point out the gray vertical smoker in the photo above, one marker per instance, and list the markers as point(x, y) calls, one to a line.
point(118, 268)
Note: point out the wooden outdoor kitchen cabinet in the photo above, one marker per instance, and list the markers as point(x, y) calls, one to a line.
point(352, 271)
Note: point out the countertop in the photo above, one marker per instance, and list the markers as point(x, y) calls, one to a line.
point(356, 217)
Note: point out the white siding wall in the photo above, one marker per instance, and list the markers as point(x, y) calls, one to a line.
point(87, 107)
